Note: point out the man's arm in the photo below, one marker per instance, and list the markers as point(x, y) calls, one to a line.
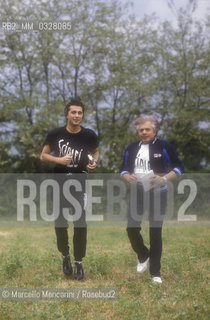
point(95, 155)
point(176, 164)
point(124, 169)
point(131, 178)
point(48, 158)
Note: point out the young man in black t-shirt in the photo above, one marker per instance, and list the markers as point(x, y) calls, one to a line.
point(72, 149)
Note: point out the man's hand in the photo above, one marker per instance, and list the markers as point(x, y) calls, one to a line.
point(131, 178)
point(156, 180)
point(92, 166)
point(65, 160)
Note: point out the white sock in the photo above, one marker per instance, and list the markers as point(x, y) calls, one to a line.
point(78, 261)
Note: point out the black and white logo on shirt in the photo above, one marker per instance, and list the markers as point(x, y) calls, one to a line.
point(142, 163)
point(65, 149)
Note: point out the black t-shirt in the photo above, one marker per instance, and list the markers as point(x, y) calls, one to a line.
point(79, 144)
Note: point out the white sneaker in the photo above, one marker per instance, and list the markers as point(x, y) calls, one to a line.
point(157, 279)
point(141, 267)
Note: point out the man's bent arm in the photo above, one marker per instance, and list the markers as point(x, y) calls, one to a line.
point(48, 158)
point(95, 155)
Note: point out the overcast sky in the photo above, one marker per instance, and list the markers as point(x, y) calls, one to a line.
point(160, 7)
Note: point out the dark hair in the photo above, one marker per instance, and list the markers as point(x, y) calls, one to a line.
point(74, 101)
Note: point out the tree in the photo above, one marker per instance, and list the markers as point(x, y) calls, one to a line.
point(183, 74)
point(121, 67)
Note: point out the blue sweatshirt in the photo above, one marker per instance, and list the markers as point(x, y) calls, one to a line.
point(162, 158)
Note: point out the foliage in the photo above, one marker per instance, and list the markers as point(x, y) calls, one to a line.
point(120, 66)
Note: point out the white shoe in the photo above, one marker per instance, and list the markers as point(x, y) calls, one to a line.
point(141, 267)
point(157, 279)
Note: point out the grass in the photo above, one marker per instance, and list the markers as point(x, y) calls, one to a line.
point(29, 259)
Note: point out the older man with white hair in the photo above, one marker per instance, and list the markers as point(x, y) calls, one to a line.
point(148, 164)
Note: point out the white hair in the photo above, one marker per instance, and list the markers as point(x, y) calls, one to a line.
point(145, 118)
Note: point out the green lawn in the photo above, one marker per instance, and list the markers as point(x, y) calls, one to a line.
point(29, 259)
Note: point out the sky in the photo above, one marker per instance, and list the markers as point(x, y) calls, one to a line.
point(160, 7)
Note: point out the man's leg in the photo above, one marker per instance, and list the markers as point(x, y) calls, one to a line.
point(135, 216)
point(79, 243)
point(137, 243)
point(155, 250)
point(80, 238)
point(61, 230)
point(158, 205)
point(63, 247)
point(62, 240)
